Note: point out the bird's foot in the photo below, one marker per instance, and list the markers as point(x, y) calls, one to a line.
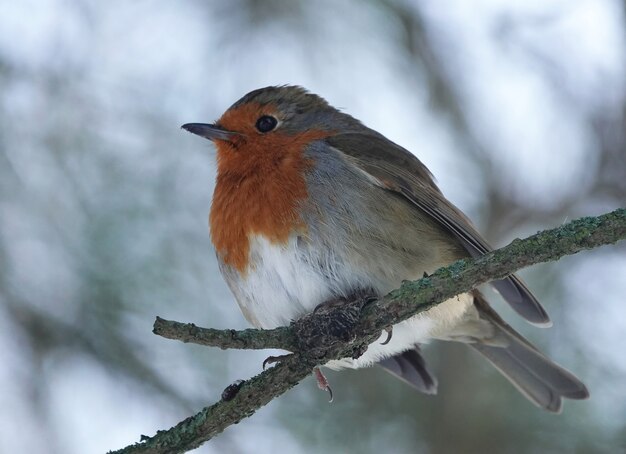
point(332, 324)
point(328, 306)
point(322, 382)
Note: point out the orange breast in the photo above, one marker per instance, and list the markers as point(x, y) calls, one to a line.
point(260, 186)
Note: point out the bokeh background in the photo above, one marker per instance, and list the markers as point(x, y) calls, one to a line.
point(518, 108)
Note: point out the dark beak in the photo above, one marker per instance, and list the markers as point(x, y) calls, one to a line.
point(211, 132)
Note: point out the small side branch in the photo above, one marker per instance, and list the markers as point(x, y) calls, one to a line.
point(250, 339)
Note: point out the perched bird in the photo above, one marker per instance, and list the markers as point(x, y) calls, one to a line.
point(311, 206)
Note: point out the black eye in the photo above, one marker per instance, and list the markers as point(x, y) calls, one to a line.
point(266, 123)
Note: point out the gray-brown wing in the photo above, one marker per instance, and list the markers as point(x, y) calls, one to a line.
point(395, 169)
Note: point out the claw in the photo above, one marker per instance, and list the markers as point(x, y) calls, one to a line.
point(275, 359)
point(389, 332)
point(322, 382)
point(328, 306)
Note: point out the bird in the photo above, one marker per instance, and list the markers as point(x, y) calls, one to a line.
point(311, 206)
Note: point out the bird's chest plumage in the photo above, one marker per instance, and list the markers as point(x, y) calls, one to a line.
point(259, 190)
point(262, 201)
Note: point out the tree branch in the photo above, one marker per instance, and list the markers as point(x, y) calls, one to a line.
point(315, 339)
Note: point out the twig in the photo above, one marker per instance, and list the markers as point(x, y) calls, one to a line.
point(251, 339)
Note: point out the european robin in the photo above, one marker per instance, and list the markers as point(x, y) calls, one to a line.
point(311, 206)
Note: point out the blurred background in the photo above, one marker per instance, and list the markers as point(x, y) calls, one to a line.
point(517, 107)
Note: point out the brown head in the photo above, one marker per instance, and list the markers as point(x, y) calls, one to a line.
point(260, 144)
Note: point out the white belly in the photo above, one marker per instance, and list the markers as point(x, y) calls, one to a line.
point(287, 281)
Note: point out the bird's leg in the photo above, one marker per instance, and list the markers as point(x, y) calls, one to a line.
point(334, 318)
point(361, 297)
point(331, 323)
point(338, 317)
point(322, 382)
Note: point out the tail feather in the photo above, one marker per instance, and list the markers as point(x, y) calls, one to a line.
point(411, 368)
point(541, 380)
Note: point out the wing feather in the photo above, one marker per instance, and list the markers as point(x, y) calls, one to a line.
point(397, 170)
